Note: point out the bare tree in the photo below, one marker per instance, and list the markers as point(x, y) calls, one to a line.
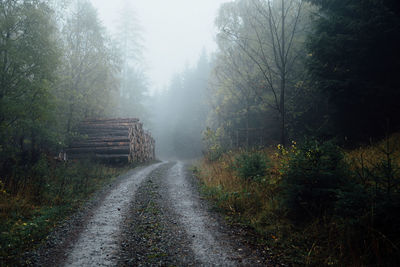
point(266, 31)
point(234, 73)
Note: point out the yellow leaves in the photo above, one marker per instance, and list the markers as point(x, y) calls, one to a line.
point(286, 151)
point(299, 84)
point(2, 189)
point(280, 158)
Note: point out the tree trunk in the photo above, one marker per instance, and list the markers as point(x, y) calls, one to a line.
point(283, 76)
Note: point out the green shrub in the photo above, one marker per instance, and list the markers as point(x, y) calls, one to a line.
point(214, 149)
point(352, 203)
point(251, 166)
point(40, 175)
point(214, 153)
point(315, 174)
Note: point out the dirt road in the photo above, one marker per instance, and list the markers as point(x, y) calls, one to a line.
point(152, 217)
point(99, 240)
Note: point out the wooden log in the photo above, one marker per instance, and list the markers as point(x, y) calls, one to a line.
point(103, 139)
point(99, 156)
point(103, 128)
point(100, 144)
point(110, 134)
point(100, 150)
point(122, 156)
point(103, 131)
point(108, 123)
point(96, 121)
point(112, 119)
point(109, 137)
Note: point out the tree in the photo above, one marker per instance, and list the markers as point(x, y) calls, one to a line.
point(237, 105)
point(269, 34)
point(28, 59)
point(354, 59)
point(133, 84)
point(89, 73)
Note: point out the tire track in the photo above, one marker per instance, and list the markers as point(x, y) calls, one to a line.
point(198, 226)
point(98, 242)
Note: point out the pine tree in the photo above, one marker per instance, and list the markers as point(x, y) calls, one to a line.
point(354, 59)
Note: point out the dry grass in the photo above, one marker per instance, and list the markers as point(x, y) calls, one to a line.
point(365, 160)
point(241, 196)
point(323, 241)
point(252, 203)
point(30, 207)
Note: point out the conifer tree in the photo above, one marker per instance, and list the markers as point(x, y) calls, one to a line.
point(354, 59)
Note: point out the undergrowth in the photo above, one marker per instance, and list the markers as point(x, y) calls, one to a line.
point(314, 203)
point(37, 198)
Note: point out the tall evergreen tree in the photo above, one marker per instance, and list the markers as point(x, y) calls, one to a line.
point(354, 58)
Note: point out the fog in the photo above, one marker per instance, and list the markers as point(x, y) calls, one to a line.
point(248, 73)
point(291, 106)
point(172, 36)
point(174, 32)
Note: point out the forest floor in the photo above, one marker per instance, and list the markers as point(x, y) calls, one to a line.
point(152, 216)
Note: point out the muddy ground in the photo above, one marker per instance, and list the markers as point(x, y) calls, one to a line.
point(152, 216)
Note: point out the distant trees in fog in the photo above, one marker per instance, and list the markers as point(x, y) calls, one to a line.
point(180, 112)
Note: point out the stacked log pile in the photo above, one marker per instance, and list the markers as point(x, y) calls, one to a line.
point(113, 139)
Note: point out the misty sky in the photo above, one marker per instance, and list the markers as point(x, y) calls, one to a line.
point(175, 31)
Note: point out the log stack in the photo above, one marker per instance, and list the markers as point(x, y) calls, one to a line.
point(113, 139)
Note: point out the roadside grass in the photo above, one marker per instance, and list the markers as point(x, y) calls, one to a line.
point(253, 204)
point(31, 206)
point(358, 226)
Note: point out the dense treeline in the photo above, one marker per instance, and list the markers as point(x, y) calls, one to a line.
point(354, 58)
point(322, 73)
point(60, 66)
point(299, 68)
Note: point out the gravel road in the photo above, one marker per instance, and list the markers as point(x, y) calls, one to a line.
point(200, 228)
point(154, 216)
point(99, 240)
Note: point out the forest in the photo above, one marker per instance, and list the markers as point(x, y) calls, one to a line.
point(293, 120)
point(300, 140)
point(59, 66)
